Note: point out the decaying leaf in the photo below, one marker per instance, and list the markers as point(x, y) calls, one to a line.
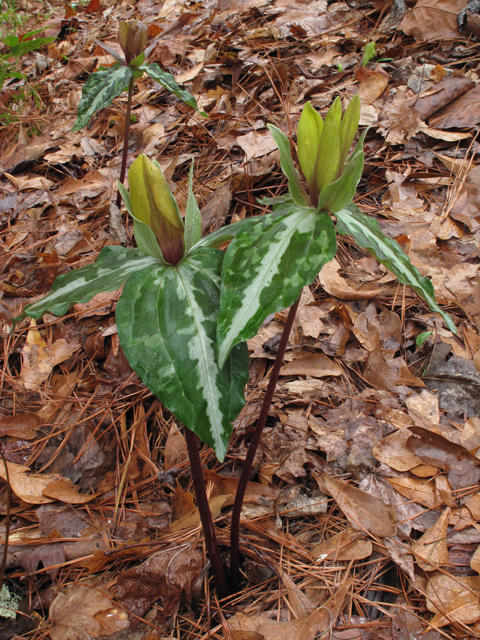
point(244, 627)
point(431, 549)
point(164, 576)
point(39, 359)
point(453, 599)
point(82, 613)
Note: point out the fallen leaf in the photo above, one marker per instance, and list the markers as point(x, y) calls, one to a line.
point(393, 450)
point(65, 490)
point(363, 511)
point(176, 452)
point(346, 545)
point(25, 485)
point(244, 627)
point(256, 144)
point(165, 576)
point(433, 19)
point(29, 183)
point(38, 360)
point(192, 519)
point(22, 425)
point(455, 596)
point(335, 285)
point(430, 550)
point(316, 365)
point(417, 489)
point(82, 613)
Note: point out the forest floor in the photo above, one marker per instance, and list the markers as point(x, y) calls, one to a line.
point(362, 520)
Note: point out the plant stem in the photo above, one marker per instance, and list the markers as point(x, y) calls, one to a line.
point(252, 449)
point(205, 514)
point(126, 139)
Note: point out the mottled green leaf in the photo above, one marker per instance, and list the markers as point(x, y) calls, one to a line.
point(167, 320)
point(266, 266)
point(193, 217)
point(168, 81)
point(220, 236)
point(99, 91)
point(294, 183)
point(144, 236)
point(309, 133)
point(338, 194)
point(112, 268)
point(366, 231)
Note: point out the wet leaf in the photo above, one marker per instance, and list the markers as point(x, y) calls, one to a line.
point(83, 612)
point(164, 576)
point(244, 627)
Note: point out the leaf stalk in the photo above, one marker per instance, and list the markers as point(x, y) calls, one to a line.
point(126, 139)
point(252, 449)
point(205, 514)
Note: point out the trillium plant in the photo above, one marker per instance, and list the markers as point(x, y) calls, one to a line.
point(106, 84)
point(187, 308)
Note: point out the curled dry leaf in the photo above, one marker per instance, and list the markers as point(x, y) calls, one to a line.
point(453, 598)
point(25, 485)
point(38, 359)
point(176, 452)
point(335, 285)
point(82, 613)
point(364, 512)
point(244, 627)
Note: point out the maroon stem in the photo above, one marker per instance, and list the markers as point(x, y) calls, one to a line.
point(126, 139)
point(252, 449)
point(205, 514)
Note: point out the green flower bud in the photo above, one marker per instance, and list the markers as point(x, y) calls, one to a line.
point(133, 38)
point(153, 203)
point(323, 146)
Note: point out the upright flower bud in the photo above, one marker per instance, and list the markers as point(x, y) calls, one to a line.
point(153, 203)
point(323, 148)
point(133, 38)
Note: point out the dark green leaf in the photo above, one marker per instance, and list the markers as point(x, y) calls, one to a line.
point(294, 183)
point(366, 231)
point(168, 81)
point(167, 320)
point(101, 88)
point(266, 266)
point(109, 272)
point(338, 194)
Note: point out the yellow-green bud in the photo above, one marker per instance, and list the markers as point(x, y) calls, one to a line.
point(153, 203)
